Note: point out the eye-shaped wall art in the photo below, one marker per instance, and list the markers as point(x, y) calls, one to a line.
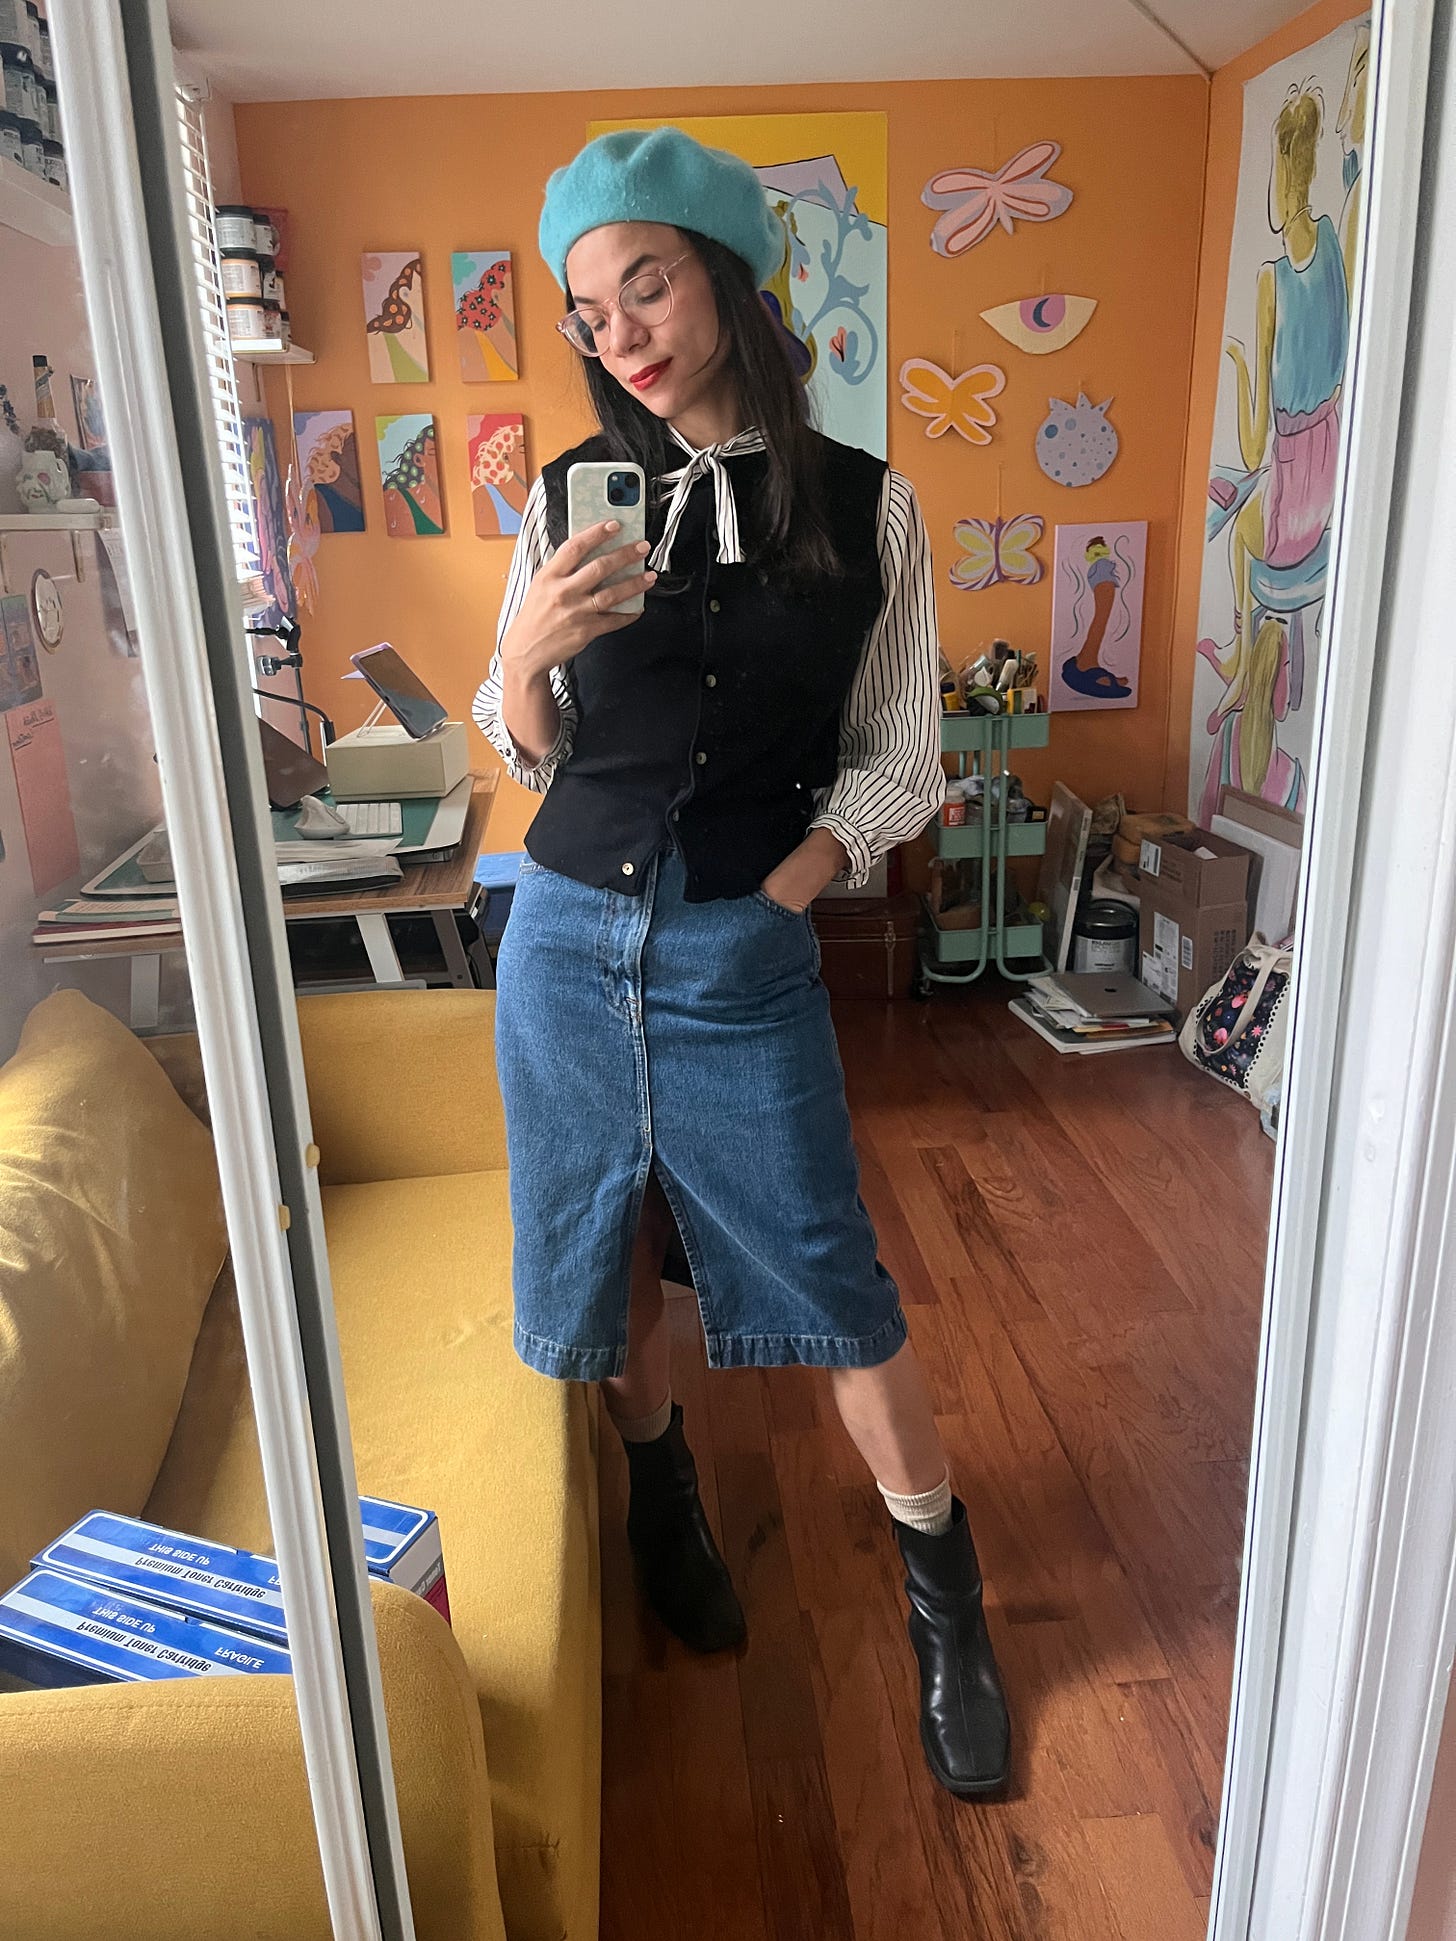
point(1041, 324)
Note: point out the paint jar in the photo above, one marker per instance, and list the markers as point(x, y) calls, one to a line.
point(10, 137)
point(32, 148)
point(52, 122)
point(240, 274)
point(15, 64)
point(31, 36)
point(286, 329)
point(234, 224)
point(272, 323)
point(265, 234)
point(53, 160)
point(953, 809)
point(272, 281)
point(14, 23)
point(44, 59)
point(1104, 937)
point(245, 320)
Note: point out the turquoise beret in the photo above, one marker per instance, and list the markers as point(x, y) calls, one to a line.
point(664, 176)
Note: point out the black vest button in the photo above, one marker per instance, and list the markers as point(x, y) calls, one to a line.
point(629, 869)
point(700, 758)
point(710, 680)
point(715, 606)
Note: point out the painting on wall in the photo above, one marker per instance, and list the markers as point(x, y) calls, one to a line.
point(328, 462)
point(19, 661)
point(485, 314)
point(1097, 615)
point(409, 467)
point(1276, 431)
point(394, 316)
point(498, 478)
point(272, 522)
point(825, 178)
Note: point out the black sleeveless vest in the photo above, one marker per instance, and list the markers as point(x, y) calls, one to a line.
point(709, 723)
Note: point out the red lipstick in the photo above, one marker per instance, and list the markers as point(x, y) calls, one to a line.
point(645, 379)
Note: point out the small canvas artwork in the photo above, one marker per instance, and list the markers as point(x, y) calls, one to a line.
point(1097, 615)
point(994, 551)
point(1076, 443)
point(328, 463)
point(394, 316)
point(485, 314)
point(952, 403)
point(19, 662)
point(409, 467)
point(90, 425)
point(498, 477)
point(272, 521)
point(975, 201)
point(1041, 324)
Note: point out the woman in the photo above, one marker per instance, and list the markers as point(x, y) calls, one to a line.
point(665, 1049)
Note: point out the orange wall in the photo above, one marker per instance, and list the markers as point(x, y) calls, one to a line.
point(473, 177)
point(1225, 135)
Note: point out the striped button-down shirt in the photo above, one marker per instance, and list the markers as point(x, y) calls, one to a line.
point(890, 781)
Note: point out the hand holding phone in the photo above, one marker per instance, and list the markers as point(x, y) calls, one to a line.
point(595, 582)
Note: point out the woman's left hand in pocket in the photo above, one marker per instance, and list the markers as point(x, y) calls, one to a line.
point(805, 871)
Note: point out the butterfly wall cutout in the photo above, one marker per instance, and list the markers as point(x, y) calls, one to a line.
point(976, 200)
point(952, 403)
point(994, 550)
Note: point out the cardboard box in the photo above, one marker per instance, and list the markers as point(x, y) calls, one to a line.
point(1183, 949)
point(1196, 868)
point(57, 1630)
point(384, 764)
point(215, 1583)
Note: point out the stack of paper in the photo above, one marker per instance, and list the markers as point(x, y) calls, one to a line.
point(93, 919)
point(1060, 1009)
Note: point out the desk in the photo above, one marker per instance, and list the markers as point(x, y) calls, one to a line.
point(437, 890)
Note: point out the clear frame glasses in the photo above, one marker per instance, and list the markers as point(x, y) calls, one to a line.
point(646, 299)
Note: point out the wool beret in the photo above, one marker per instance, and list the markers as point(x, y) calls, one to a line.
point(661, 176)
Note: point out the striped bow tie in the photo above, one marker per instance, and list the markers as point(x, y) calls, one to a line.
point(673, 489)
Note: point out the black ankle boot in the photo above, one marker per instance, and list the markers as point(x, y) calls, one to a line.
point(964, 1727)
point(682, 1574)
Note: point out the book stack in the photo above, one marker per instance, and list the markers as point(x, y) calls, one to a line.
point(101, 919)
point(1087, 1012)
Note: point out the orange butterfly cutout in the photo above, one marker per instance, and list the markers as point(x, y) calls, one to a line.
point(953, 403)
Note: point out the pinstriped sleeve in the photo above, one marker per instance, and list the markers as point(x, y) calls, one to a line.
point(890, 781)
point(533, 549)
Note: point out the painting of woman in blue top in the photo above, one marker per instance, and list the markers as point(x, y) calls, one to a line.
point(1288, 397)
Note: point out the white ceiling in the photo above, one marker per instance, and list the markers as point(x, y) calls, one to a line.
point(286, 50)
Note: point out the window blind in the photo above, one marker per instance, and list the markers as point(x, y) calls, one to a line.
point(221, 376)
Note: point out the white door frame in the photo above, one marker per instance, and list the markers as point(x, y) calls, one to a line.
point(1347, 1618)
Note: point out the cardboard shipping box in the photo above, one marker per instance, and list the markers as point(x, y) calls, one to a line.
point(1183, 949)
point(1193, 889)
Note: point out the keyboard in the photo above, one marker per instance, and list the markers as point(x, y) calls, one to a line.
point(372, 818)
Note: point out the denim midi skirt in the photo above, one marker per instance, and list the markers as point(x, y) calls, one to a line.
point(642, 1034)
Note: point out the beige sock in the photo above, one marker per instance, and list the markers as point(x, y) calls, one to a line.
point(643, 1428)
point(928, 1512)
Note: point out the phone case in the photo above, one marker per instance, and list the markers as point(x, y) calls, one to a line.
point(586, 505)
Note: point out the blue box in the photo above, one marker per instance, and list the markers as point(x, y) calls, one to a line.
point(217, 1583)
point(56, 1630)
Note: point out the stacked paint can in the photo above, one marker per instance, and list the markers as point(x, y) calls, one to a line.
point(248, 245)
point(30, 128)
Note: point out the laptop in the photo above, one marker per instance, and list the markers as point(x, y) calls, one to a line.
point(289, 771)
point(1110, 996)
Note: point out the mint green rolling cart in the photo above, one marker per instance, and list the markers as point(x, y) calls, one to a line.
point(984, 743)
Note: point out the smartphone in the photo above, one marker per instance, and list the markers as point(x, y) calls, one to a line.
point(401, 689)
point(598, 491)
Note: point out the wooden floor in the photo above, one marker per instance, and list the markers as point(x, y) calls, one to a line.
point(1080, 1247)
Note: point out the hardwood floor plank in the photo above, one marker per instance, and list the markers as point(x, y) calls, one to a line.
point(1150, 1898)
point(713, 1818)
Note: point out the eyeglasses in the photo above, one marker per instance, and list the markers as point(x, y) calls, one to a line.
point(646, 299)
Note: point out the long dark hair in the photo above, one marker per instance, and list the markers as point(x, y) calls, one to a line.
point(793, 535)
